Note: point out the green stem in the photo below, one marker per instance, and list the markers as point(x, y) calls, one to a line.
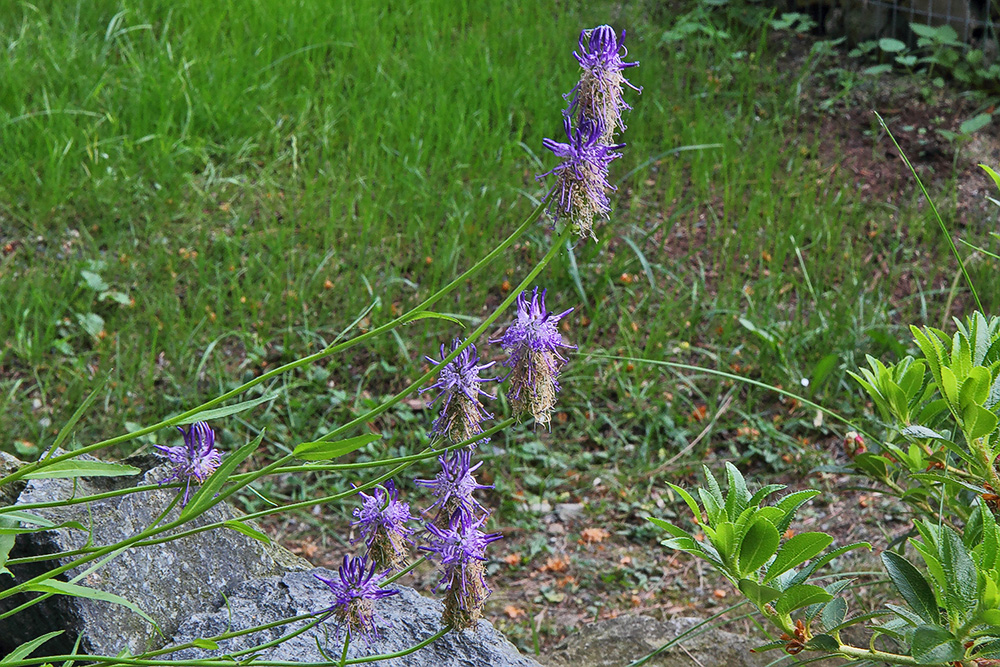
point(875, 655)
point(427, 303)
point(937, 216)
point(220, 662)
point(230, 635)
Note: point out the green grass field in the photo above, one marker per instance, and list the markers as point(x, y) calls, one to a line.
point(195, 193)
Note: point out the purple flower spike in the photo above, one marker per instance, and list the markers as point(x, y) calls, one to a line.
point(460, 551)
point(196, 459)
point(598, 95)
point(580, 192)
point(355, 592)
point(533, 342)
point(454, 485)
point(462, 412)
point(382, 520)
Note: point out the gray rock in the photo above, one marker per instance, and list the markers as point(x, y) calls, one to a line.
point(619, 641)
point(406, 619)
point(169, 581)
point(9, 492)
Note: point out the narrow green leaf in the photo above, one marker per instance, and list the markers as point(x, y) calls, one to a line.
point(934, 645)
point(800, 595)
point(994, 175)
point(796, 551)
point(322, 450)
point(912, 586)
point(57, 587)
point(429, 314)
point(78, 468)
point(68, 427)
point(689, 499)
point(204, 497)
point(759, 544)
point(205, 644)
point(25, 649)
point(669, 527)
point(6, 542)
point(241, 527)
point(219, 413)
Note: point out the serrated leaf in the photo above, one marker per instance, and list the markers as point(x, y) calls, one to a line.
point(241, 527)
point(323, 450)
point(796, 551)
point(759, 595)
point(912, 586)
point(763, 493)
point(737, 496)
point(918, 431)
point(219, 413)
point(57, 587)
point(961, 590)
point(934, 645)
point(689, 500)
point(834, 613)
point(758, 545)
point(26, 649)
point(78, 468)
point(800, 595)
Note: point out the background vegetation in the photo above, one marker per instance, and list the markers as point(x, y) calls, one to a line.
point(194, 193)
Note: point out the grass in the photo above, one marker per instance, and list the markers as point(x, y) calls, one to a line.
point(195, 194)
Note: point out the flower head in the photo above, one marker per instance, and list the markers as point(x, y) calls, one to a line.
point(460, 551)
point(598, 95)
point(382, 520)
point(533, 342)
point(581, 189)
point(355, 591)
point(462, 412)
point(455, 484)
point(196, 459)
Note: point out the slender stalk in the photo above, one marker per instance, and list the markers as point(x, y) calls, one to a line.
point(937, 216)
